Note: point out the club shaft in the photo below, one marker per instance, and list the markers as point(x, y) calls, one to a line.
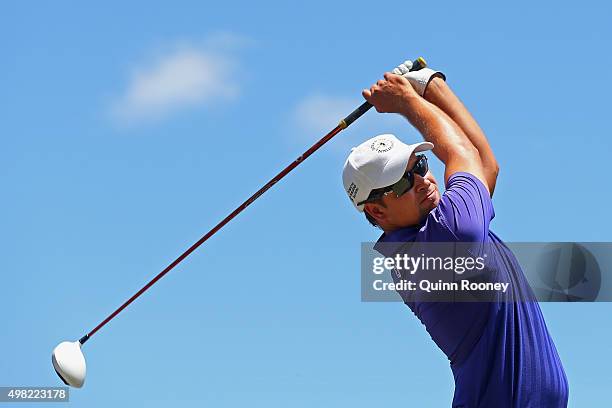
point(417, 64)
point(217, 227)
point(344, 123)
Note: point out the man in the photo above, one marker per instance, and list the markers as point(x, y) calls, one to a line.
point(500, 353)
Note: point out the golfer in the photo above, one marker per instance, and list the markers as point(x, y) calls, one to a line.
point(501, 353)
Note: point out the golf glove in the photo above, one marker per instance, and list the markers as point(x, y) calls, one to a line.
point(419, 79)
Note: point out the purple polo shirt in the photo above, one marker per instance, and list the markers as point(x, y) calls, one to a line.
point(500, 353)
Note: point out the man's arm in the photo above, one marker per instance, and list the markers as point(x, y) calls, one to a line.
point(440, 94)
point(394, 94)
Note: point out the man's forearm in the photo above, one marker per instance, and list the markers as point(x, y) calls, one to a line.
point(451, 145)
point(439, 94)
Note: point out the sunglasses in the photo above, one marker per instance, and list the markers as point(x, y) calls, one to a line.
point(403, 185)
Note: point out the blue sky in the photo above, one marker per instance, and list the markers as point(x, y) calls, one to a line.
point(129, 130)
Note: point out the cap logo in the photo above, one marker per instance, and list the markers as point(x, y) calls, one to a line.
point(381, 145)
point(352, 191)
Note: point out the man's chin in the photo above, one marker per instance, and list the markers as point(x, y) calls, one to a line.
point(430, 203)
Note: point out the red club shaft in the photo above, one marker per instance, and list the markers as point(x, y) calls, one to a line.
point(419, 63)
point(217, 227)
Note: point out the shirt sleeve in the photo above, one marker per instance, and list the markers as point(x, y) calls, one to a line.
point(465, 209)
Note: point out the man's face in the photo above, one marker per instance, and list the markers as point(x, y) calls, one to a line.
point(411, 207)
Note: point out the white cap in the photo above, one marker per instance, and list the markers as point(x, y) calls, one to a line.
point(377, 162)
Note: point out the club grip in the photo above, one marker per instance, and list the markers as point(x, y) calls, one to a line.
point(417, 64)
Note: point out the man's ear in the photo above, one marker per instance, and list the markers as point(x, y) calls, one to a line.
point(376, 211)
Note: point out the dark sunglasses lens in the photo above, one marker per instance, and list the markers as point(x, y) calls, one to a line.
point(421, 168)
point(402, 186)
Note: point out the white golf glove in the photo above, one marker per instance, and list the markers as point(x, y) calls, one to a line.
point(419, 79)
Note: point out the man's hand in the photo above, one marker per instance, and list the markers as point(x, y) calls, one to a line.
point(451, 145)
point(390, 95)
point(418, 79)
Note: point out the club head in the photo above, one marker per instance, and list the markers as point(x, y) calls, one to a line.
point(69, 363)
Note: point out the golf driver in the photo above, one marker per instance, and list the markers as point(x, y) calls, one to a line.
point(68, 360)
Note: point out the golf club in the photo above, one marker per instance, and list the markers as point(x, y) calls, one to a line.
point(68, 359)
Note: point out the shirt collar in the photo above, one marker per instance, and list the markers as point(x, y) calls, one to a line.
point(385, 244)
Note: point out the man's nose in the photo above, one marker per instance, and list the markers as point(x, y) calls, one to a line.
point(421, 183)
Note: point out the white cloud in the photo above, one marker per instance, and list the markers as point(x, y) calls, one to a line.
point(319, 112)
point(178, 79)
